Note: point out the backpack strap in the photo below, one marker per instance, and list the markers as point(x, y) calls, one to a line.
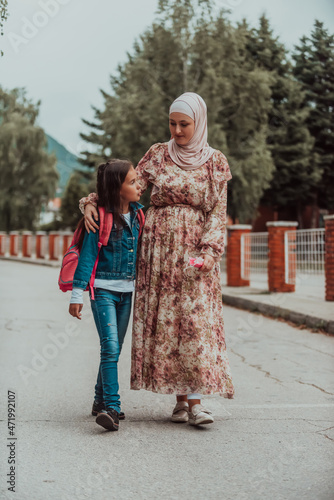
point(105, 223)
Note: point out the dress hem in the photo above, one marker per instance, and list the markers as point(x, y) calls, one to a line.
point(226, 395)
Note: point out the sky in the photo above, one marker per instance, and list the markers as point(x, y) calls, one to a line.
point(64, 51)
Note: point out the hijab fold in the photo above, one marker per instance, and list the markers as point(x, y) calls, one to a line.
point(197, 151)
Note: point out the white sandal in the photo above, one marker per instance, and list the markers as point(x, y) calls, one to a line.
point(200, 415)
point(180, 412)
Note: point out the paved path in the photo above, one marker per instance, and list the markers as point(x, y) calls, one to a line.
point(274, 440)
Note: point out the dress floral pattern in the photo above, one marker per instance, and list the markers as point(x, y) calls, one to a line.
point(178, 340)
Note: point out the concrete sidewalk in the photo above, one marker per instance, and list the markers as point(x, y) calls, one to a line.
point(274, 440)
point(311, 311)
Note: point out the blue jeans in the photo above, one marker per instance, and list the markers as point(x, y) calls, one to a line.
point(111, 311)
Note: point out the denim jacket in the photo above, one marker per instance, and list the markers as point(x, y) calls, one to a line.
point(117, 260)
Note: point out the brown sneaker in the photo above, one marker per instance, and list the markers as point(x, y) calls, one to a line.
point(108, 419)
point(98, 407)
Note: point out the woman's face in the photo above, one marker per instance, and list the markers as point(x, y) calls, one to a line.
point(181, 127)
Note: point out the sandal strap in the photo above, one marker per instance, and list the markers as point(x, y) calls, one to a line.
point(180, 405)
point(196, 409)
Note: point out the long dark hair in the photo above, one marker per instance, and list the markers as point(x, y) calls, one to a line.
point(110, 177)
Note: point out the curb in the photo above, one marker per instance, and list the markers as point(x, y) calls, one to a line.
point(279, 312)
point(29, 260)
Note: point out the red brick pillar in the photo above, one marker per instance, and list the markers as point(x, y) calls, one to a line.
point(26, 243)
point(54, 240)
point(67, 238)
point(13, 243)
point(277, 257)
point(40, 244)
point(329, 256)
point(3, 238)
point(233, 254)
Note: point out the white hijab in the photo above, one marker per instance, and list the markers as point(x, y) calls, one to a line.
point(197, 152)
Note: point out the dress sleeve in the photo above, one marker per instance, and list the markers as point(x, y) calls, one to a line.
point(148, 166)
point(91, 198)
point(213, 238)
point(146, 173)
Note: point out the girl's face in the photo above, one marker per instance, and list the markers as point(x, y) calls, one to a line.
point(130, 189)
point(181, 127)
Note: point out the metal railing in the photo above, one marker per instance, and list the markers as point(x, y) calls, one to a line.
point(304, 254)
point(254, 256)
point(39, 245)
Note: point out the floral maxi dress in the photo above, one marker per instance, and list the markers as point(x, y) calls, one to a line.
point(178, 340)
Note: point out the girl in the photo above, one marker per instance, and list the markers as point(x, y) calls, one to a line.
point(118, 192)
point(178, 340)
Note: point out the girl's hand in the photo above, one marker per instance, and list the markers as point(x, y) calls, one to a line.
point(208, 263)
point(90, 215)
point(75, 310)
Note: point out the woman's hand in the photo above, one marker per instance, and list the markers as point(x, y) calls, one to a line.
point(75, 310)
point(208, 263)
point(90, 215)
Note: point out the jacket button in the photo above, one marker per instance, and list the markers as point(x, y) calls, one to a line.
point(131, 250)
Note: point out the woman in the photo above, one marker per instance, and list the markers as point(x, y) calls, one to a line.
point(178, 341)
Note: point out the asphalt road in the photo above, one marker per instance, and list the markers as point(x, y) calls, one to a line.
point(274, 440)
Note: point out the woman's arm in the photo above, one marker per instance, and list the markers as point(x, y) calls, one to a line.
point(91, 198)
point(213, 238)
point(214, 230)
point(145, 169)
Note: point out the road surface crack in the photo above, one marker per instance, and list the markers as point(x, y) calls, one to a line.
point(325, 435)
point(257, 367)
point(316, 386)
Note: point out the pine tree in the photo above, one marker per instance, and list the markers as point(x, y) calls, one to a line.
point(28, 174)
point(238, 95)
point(314, 68)
point(186, 49)
point(296, 172)
point(135, 111)
point(288, 138)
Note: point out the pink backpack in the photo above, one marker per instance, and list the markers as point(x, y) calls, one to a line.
point(71, 257)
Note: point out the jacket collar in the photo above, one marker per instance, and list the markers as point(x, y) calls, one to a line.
point(135, 205)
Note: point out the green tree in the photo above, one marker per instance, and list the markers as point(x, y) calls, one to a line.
point(28, 176)
point(288, 138)
point(187, 49)
point(296, 173)
point(76, 188)
point(238, 96)
point(134, 115)
point(314, 69)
